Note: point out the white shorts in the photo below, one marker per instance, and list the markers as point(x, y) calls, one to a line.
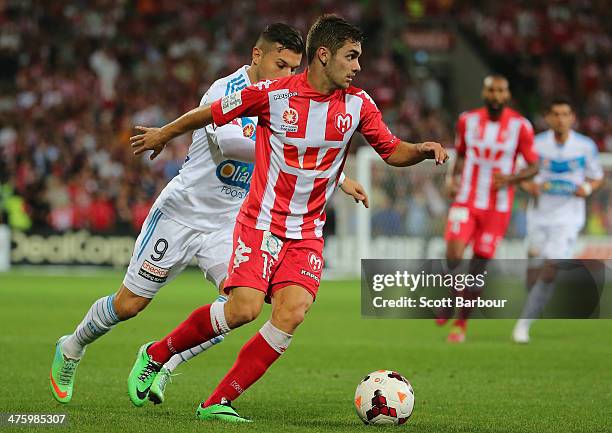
point(552, 242)
point(164, 247)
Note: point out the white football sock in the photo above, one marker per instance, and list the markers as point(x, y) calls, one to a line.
point(100, 318)
point(277, 339)
point(217, 316)
point(538, 298)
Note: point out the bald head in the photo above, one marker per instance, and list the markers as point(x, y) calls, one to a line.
point(495, 79)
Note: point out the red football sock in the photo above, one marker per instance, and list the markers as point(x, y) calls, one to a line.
point(253, 360)
point(462, 323)
point(193, 331)
point(465, 312)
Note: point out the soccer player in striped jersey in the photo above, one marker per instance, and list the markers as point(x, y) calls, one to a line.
point(569, 172)
point(488, 141)
point(193, 216)
point(305, 125)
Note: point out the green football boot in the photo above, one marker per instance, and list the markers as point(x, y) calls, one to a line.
point(142, 375)
point(222, 412)
point(61, 377)
point(156, 393)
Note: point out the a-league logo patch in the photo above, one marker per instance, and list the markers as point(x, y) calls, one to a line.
point(315, 262)
point(290, 116)
point(229, 102)
point(271, 244)
point(343, 122)
point(154, 273)
point(290, 119)
point(248, 130)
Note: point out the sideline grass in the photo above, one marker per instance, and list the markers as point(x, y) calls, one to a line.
point(560, 382)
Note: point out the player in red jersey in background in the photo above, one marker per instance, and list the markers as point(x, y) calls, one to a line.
point(481, 182)
point(305, 124)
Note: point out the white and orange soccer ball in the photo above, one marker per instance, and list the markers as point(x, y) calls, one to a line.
point(384, 397)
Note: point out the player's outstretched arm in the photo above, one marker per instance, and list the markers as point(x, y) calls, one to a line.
point(356, 190)
point(156, 138)
point(406, 154)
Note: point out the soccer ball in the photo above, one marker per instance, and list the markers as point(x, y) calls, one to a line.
point(384, 397)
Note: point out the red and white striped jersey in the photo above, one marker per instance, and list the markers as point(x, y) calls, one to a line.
point(300, 150)
point(491, 147)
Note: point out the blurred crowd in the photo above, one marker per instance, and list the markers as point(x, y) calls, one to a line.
point(76, 76)
point(554, 47)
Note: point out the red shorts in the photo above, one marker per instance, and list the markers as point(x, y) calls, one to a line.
point(483, 228)
point(268, 263)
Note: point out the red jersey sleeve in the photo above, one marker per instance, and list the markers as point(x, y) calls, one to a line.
point(460, 135)
point(374, 129)
point(525, 143)
point(252, 101)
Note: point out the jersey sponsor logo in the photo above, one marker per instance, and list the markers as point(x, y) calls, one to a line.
point(343, 122)
point(154, 273)
point(310, 275)
point(290, 119)
point(235, 173)
point(563, 166)
point(229, 102)
point(315, 262)
point(241, 254)
point(271, 244)
point(280, 96)
point(559, 187)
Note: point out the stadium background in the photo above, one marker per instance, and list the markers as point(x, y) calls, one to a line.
point(75, 76)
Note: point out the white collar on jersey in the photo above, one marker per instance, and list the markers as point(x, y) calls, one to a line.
point(551, 135)
point(245, 69)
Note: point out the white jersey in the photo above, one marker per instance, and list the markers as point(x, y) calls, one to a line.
point(209, 189)
point(563, 168)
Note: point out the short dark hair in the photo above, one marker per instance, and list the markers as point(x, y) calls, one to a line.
point(330, 31)
point(559, 100)
point(288, 37)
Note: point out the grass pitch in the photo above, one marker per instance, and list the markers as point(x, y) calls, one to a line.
point(562, 381)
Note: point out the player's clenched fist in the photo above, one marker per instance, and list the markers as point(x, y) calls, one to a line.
point(150, 139)
point(434, 151)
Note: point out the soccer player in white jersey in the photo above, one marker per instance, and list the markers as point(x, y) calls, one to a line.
point(569, 172)
point(305, 125)
point(193, 216)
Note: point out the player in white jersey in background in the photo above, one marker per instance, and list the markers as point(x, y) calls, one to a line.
point(193, 216)
point(569, 172)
